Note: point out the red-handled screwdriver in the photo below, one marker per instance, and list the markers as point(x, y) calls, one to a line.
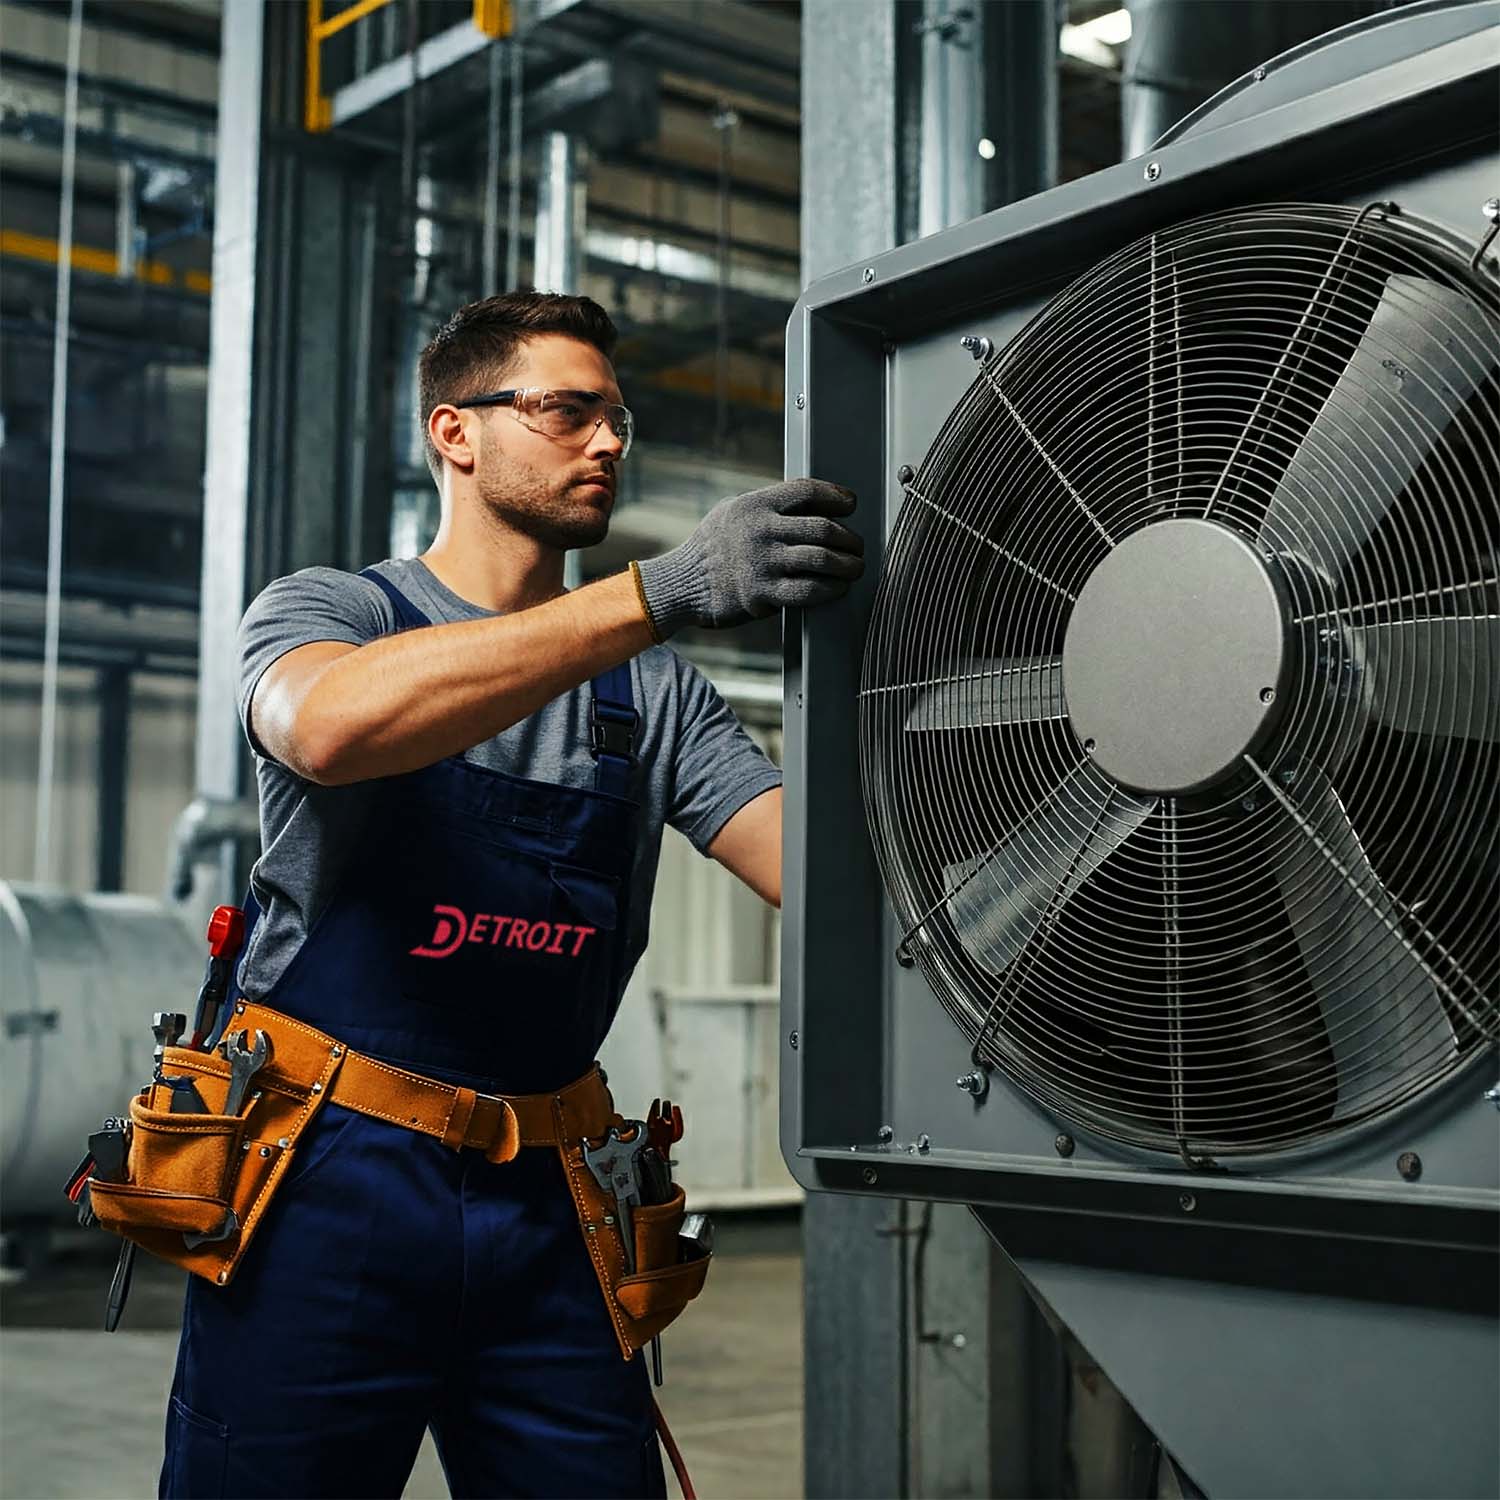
point(226, 931)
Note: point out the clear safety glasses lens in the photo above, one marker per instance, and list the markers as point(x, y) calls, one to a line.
point(574, 416)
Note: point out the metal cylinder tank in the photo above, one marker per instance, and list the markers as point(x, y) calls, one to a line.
point(80, 976)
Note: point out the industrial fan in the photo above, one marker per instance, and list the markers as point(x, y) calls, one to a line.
point(1179, 717)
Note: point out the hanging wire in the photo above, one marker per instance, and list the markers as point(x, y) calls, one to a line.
point(517, 55)
point(490, 258)
point(47, 760)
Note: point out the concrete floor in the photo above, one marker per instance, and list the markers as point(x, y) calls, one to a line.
point(81, 1410)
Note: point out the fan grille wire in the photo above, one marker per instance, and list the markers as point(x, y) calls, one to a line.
point(1311, 942)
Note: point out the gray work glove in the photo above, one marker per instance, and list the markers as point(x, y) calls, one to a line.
point(769, 549)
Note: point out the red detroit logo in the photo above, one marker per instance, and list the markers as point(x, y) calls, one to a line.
point(452, 929)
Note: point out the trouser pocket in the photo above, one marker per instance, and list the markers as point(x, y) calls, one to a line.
point(196, 1466)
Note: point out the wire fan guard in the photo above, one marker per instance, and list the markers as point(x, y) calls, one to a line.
point(1179, 714)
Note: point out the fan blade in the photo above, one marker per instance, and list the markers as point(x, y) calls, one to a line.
point(979, 693)
point(1379, 1004)
point(1434, 677)
point(1425, 352)
point(1040, 867)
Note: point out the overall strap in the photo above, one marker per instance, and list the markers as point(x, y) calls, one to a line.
point(408, 616)
point(613, 722)
point(613, 719)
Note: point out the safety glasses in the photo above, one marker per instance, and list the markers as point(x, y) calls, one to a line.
point(570, 417)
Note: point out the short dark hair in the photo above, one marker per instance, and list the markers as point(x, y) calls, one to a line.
point(472, 351)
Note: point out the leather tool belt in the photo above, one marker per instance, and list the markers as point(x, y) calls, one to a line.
point(197, 1186)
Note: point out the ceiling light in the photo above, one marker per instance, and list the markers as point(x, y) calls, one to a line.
point(1095, 41)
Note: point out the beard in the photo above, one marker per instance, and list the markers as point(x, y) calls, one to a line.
point(547, 508)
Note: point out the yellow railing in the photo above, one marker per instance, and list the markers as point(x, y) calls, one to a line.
point(100, 262)
point(492, 17)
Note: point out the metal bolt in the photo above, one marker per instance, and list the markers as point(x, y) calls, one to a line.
point(265, 1150)
point(979, 347)
point(903, 957)
point(960, 1341)
point(801, 400)
point(869, 1176)
point(1409, 1165)
point(905, 474)
point(794, 1040)
point(884, 1134)
point(1259, 75)
point(976, 1083)
point(1187, 1202)
point(1153, 170)
point(869, 275)
point(924, 1141)
point(1063, 1145)
point(1268, 695)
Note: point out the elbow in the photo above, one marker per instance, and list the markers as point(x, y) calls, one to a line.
point(319, 753)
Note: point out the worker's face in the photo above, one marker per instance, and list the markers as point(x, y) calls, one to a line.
point(559, 492)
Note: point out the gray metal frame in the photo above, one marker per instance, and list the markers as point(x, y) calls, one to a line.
point(869, 1059)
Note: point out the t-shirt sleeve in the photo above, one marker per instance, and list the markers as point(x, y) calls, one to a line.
point(717, 767)
point(317, 604)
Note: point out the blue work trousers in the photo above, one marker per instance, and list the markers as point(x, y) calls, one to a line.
point(397, 1285)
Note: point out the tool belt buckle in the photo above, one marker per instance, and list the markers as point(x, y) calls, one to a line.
point(486, 1122)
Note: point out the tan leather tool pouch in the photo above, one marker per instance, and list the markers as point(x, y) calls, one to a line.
point(643, 1302)
point(198, 1185)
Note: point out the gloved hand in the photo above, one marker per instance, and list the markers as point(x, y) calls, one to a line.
point(769, 549)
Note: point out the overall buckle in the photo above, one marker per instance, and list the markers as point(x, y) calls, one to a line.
point(612, 732)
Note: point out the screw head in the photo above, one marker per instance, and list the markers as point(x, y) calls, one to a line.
point(884, 1134)
point(1089, 746)
point(869, 1176)
point(1491, 209)
point(905, 474)
point(794, 1040)
point(1153, 171)
point(959, 1341)
point(1187, 1202)
point(924, 1141)
point(869, 275)
point(1409, 1165)
point(1248, 803)
point(975, 1083)
point(1063, 1145)
point(903, 957)
point(801, 400)
point(1268, 695)
point(1259, 75)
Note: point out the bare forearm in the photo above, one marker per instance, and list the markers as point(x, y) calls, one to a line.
point(406, 701)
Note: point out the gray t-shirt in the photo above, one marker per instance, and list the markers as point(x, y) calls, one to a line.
point(697, 766)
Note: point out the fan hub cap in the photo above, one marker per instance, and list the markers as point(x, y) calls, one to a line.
point(1175, 657)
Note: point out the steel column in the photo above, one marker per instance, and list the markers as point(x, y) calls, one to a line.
point(294, 475)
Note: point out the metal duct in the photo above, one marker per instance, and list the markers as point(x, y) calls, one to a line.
point(1181, 52)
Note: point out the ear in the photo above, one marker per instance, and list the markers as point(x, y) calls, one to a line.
point(448, 429)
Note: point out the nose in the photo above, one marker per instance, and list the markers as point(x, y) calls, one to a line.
point(603, 444)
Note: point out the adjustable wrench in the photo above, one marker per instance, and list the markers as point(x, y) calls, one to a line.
point(244, 1062)
point(613, 1163)
point(616, 1163)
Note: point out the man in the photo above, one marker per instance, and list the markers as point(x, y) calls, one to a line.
point(464, 771)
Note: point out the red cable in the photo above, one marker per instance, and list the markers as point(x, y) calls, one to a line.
point(673, 1453)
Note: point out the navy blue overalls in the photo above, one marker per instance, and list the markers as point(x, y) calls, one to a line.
point(396, 1284)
